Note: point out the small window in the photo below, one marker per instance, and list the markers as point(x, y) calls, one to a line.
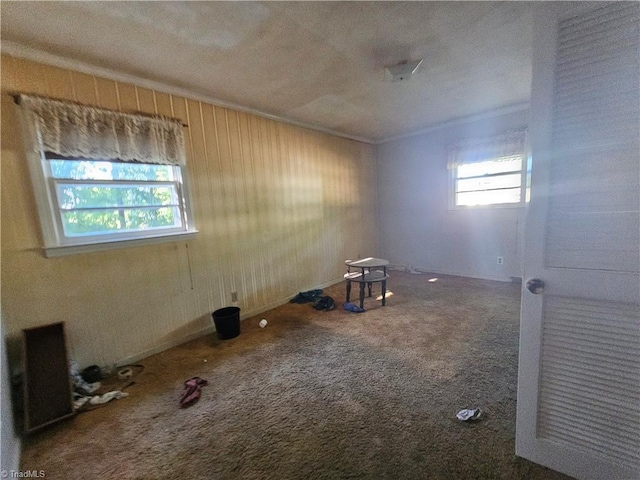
point(488, 172)
point(490, 182)
point(105, 179)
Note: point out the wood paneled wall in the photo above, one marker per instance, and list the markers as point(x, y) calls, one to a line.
point(279, 208)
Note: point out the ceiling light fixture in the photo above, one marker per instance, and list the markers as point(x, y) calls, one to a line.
point(402, 71)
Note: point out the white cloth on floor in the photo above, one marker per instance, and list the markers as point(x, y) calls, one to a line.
point(107, 397)
point(79, 402)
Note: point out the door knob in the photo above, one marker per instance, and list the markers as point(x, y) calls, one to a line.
point(535, 286)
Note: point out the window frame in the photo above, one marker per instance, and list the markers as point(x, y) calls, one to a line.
point(56, 243)
point(524, 175)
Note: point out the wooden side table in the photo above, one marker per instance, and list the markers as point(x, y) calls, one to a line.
point(364, 272)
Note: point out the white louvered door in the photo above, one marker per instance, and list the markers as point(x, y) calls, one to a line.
point(579, 367)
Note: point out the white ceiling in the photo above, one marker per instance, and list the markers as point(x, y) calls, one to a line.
point(315, 63)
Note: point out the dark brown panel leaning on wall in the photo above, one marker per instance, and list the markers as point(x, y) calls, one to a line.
point(48, 395)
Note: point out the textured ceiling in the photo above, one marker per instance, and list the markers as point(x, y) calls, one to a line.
point(316, 63)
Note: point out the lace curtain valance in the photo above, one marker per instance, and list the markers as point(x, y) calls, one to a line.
point(478, 149)
point(78, 131)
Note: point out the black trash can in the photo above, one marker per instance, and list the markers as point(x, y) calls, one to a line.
point(227, 322)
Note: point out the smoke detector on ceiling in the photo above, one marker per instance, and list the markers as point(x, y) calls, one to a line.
point(402, 71)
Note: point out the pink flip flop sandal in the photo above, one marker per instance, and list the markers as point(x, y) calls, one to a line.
point(192, 391)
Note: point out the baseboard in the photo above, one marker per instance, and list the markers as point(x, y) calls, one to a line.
point(509, 279)
point(211, 329)
point(165, 346)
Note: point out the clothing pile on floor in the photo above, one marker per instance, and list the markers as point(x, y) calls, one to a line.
point(319, 301)
point(84, 397)
point(306, 297)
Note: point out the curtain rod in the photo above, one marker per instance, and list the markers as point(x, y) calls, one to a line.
point(16, 100)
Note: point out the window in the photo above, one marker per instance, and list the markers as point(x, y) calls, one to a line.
point(97, 198)
point(87, 202)
point(489, 172)
point(490, 182)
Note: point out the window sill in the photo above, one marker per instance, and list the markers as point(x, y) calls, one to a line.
point(64, 250)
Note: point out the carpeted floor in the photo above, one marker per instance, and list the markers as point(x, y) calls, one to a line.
point(320, 395)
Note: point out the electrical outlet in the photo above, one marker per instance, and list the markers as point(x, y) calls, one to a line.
point(500, 260)
point(234, 296)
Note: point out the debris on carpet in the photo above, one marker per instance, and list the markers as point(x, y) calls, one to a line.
point(79, 384)
point(469, 414)
point(192, 391)
point(92, 401)
point(88, 396)
point(125, 373)
point(91, 374)
point(405, 268)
